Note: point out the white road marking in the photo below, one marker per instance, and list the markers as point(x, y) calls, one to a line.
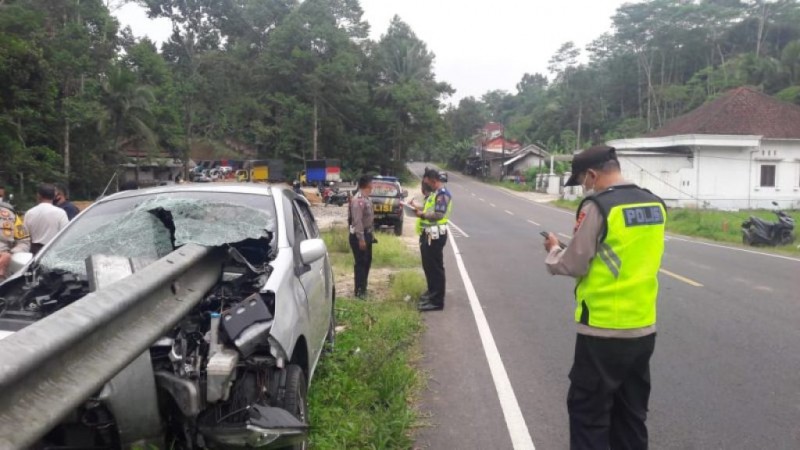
point(481, 199)
point(492, 205)
point(565, 235)
point(473, 194)
point(517, 429)
point(688, 281)
point(535, 203)
point(534, 223)
point(788, 258)
point(457, 228)
point(509, 213)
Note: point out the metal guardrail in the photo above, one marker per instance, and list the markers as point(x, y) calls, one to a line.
point(52, 366)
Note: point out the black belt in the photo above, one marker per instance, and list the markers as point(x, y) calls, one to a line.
point(365, 231)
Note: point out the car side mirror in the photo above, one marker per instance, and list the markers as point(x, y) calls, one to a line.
point(312, 250)
point(405, 193)
point(18, 261)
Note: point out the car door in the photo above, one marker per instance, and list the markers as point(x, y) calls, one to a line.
point(314, 277)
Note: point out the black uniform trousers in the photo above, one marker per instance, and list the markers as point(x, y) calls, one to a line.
point(609, 392)
point(433, 264)
point(363, 261)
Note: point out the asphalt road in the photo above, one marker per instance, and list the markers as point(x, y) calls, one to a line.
point(726, 369)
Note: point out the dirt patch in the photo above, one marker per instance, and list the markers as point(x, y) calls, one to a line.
point(328, 217)
point(378, 283)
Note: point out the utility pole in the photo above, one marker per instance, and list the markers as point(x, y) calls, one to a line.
point(503, 144)
point(315, 128)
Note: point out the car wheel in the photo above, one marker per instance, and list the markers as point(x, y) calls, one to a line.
point(398, 228)
point(295, 398)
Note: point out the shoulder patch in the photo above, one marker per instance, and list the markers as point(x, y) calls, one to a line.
point(581, 216)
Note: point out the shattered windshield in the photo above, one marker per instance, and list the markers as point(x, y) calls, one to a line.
point(149, 227)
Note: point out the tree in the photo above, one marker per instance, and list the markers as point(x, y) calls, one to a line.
point(464, 120)
point(127, 111)
point(407, 89)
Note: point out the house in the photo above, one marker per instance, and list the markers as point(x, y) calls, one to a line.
point(739, 151)
point(149, 170)
point(496, 152)
point(525, 159)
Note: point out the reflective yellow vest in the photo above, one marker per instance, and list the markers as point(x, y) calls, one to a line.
point(430, 205)
point(620, 289)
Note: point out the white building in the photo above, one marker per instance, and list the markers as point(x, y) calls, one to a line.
point(740, 151)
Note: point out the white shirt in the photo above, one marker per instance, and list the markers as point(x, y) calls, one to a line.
point(44, 221)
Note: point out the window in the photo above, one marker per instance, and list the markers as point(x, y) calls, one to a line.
point(767, 175)
point(308, 219)
point(299, 232)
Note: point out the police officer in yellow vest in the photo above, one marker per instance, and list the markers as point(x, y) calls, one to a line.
point(14, 237)
point(432, 229)
point(615, 255)
point(426, 192)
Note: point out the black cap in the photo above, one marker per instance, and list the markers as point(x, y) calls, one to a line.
point(431, 173)
point(590, 158)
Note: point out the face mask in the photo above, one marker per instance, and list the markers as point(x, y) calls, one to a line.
point(586, 189)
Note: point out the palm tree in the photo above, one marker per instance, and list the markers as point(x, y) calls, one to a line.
point(127, 109)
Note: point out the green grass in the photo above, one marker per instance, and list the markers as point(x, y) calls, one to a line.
point(363, 393)
point(571, 205)
point(513, 186)
point(723, 226)
point(390, 251)
point(337, 240)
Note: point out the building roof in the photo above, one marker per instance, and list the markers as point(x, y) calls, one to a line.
point(741, 111)
point(497, 144)
point(529, 150)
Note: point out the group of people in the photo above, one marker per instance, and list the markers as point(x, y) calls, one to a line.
point(39, 225)
point(431, 227)
point(614, 255)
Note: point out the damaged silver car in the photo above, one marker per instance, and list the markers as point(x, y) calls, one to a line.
point(233, 373)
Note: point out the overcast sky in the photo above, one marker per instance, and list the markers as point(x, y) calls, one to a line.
point(479, 45)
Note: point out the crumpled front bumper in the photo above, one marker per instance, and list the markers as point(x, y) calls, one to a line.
point(268, 427)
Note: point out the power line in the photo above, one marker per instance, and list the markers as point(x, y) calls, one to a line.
point(662, 180)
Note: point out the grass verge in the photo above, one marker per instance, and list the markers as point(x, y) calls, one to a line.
point(513, 186)
point(388, 252)
point(571, 205)
point(721, 226)
point(362, 395)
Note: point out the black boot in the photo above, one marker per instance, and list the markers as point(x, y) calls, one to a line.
point(429, 306)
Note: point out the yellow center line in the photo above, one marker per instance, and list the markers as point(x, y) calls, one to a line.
point(680, 278)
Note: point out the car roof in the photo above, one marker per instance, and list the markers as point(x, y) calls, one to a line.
point(231, 188)
point(384, 178)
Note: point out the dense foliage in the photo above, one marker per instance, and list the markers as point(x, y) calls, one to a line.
point(277, 78)
point(662, 58)
point(297, 80)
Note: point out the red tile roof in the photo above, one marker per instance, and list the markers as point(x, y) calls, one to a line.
point(741, 111)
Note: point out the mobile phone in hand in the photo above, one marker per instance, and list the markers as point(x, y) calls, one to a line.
point(546, 234)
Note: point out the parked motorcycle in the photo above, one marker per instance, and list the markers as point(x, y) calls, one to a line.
point(756, 231)
point(334, 196)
